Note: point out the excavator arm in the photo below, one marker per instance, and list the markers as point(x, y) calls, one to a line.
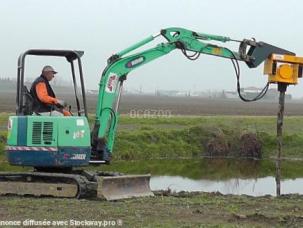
point(191, 44)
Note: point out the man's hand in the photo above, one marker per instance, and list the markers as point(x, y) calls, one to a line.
point(61, 103)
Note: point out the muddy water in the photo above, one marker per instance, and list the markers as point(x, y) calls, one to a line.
point(228, 176)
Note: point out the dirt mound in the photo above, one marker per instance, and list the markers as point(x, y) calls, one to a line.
point(217, 147)
point(250, 146)
point(223, 145)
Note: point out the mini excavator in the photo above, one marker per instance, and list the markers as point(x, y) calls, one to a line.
point(59, 147)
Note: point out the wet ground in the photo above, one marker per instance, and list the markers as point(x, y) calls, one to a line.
point(164, 210)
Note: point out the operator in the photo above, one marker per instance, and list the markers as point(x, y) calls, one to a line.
point(45, 101)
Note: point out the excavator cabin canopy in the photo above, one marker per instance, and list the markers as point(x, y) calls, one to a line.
point(23, 98)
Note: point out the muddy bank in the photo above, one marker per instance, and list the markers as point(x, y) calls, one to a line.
point(192, 142)
point(164, 210)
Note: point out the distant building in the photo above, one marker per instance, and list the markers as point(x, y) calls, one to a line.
point(172, 93)
point(252, 92)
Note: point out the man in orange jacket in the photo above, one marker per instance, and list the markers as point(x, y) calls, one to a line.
point(45, 101)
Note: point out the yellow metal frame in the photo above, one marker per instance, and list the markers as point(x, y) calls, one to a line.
point(283, 68)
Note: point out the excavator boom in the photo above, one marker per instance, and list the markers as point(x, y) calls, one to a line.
point(191, 44)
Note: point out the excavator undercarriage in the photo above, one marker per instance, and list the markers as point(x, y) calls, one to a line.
point(78, 184)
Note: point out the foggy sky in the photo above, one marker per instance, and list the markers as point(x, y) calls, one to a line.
point(101, 28)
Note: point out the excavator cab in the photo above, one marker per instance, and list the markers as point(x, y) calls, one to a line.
point(49, 141)
point(24, 100)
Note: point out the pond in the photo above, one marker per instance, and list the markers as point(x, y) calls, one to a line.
point(253, 187)
point(227, 176)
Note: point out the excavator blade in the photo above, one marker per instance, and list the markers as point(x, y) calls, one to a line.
point(123, 187)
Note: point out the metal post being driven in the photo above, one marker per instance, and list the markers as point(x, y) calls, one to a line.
point(282, 89)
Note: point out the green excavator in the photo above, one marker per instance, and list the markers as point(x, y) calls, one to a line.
point(59, 147)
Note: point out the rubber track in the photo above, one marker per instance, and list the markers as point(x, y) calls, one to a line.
point(86, 188)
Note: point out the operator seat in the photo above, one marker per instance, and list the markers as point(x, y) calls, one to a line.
point(28, 101)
